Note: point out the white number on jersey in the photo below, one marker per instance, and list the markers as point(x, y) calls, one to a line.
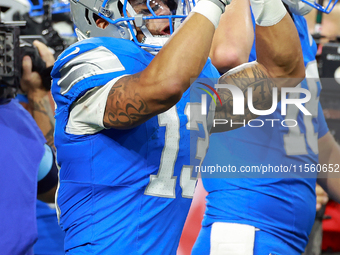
point(164, 183)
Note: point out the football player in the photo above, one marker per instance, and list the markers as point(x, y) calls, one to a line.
point(270, 213)
point(124, 116)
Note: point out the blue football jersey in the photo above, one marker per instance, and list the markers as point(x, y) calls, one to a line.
point(22, 148)
point(124, 191)
point(285, 206)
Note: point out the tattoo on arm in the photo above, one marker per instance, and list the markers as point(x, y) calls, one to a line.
point(252, 77)
point(43, 115)
point(125, 107)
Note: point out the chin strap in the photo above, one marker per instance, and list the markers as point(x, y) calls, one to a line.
point(80, 35)
point(155, 41)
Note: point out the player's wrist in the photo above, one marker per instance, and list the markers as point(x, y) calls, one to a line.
point(220, 3)
point(268, 12)
point(211, 9)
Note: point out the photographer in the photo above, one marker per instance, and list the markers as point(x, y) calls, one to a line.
point(25, 159)
point(39, 102)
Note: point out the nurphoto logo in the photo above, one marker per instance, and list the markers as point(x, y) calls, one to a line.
point(239, 104)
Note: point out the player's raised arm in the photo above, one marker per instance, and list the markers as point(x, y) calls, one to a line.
point(135, 98)
point(279, 62)
point(228, 51)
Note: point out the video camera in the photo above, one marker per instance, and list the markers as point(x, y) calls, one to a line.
point(13, 48)
point(43, 28)
point(9, 60)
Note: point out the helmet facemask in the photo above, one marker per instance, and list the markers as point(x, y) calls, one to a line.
point(317, 5)
point(149, 23)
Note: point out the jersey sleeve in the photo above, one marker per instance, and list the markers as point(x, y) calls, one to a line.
point(84, 74)
point(89, 121)
point(81, 70)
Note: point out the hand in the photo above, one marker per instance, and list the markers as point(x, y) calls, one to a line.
point(44, 53)
point(321, 197)
point(31, 82)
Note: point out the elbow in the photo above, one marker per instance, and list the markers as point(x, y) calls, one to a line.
point(225, 59)
point(170, 94)
point(296, 67)
point(174, 92)
point(299, 71)
point(291, 68)
point(296, 73)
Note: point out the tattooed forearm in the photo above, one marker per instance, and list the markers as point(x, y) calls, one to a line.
point(253, 76)
point(125, 107)
point(43, 115)
point(240, 78)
